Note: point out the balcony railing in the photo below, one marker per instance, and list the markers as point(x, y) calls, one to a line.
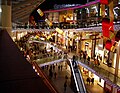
point(84, 23)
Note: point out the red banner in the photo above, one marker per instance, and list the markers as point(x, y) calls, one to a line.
point(105, 27)
point(108, 45)
point(104, 2)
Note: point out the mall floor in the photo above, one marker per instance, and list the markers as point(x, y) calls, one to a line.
point(60, 79)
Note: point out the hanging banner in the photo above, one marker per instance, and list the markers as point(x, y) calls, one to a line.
point(48, 22)
point(40, 12)
point(105, 27)
point(108, 45)
point(104, 2)
point(59, 30)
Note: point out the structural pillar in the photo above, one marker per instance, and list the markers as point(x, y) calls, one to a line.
point(102, 10)
point(56, 37)
point(111, 13)
point(117, 62)
point(5, 15)
point(80, 45)
point(77, 50)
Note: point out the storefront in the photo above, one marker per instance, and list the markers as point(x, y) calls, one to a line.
point(90, 74)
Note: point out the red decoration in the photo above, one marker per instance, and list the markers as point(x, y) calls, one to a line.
point(105, 26)
point(104, 2)
point(108, 45)
point(111, 26)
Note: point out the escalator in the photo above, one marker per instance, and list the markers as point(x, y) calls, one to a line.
point(79, 86)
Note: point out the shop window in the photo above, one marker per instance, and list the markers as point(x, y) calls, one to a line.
point(94, 11)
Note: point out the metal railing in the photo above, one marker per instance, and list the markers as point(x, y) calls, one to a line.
point(44, 78)
point(83, 23)
point(102, 71)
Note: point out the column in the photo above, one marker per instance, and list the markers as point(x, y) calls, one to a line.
point(111, 14)
point(77, 50)
point(56, 34)
point(117, 62)
point(66, 40)
point(80, 43)
point(5, 18)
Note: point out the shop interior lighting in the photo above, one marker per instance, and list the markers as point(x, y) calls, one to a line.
point(38, 74)
point(35, 70)
point(115, 13)
point(0, 10)
point(88, 11)
point(116, 8)
point(33, 67)
point(95, 8)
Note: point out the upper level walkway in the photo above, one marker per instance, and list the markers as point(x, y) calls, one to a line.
point(90, 28)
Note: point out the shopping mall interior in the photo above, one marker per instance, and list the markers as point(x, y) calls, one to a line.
point(56, 46)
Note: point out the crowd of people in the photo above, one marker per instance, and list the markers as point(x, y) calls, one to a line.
point(90, 80)
point(53, 71)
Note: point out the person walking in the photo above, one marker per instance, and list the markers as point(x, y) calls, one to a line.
point(88, 80)
point(92, 80)
point(66, 78)
point(55, 74)
point(65, 86)
point(61, 67)
point(88, 59)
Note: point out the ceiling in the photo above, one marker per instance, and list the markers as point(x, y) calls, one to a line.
point(21, 10)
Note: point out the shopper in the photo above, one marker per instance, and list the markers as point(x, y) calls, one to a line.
point(55, 74)
point(88, 59)
point(66, 78)
point(84, 56)
point(65, 86)
point(61, 67)
point(88, 80)
point(92, 80)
